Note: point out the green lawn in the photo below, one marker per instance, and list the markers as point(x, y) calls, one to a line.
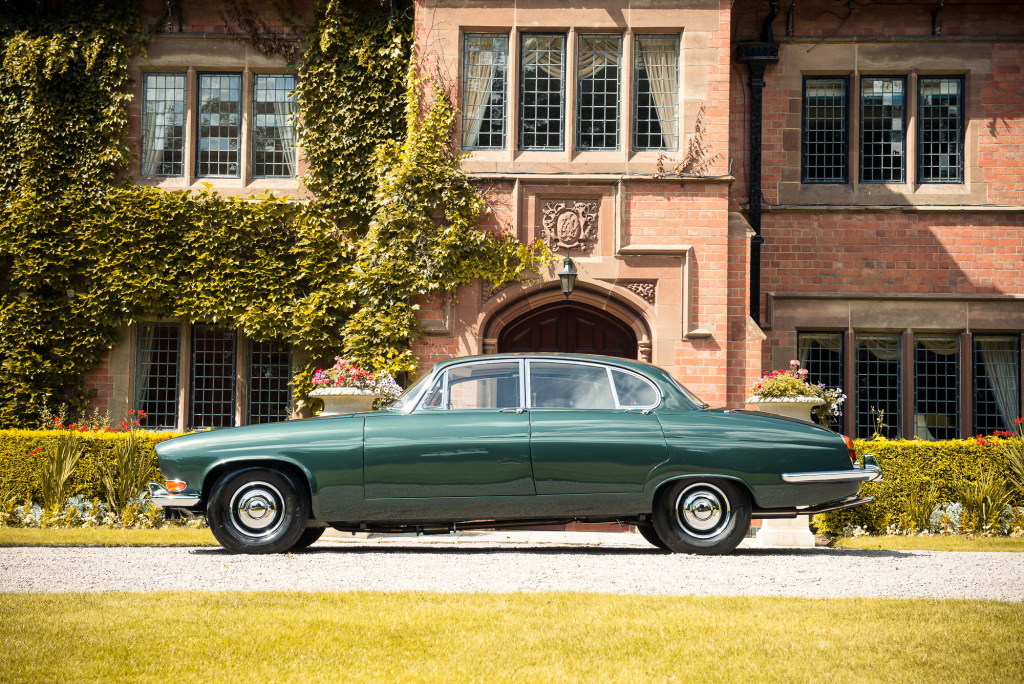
point(105, 536)
point(950, 543)
point(554, 637)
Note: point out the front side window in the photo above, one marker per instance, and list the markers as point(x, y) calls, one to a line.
point(824, 140)
point(656, 93)
point(219, 125)
point(940, 130)
point(484, 74)
point(882, 126)
point(542, 92)
point(163, 125)
point(570, 386)
point(597, 77)
point(484, 386)
point(273, 131)
point(937, 386)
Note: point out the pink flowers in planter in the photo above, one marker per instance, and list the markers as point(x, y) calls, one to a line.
point(346, 374)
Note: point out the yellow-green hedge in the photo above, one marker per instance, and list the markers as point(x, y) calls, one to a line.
point(20, 468)
point(912, 466)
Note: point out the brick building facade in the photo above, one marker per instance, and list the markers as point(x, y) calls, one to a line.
point(618, 131)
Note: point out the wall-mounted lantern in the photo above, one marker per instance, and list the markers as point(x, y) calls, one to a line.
point(568, 276)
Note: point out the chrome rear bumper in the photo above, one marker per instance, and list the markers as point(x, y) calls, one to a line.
point(165, 499)
point(871, 472)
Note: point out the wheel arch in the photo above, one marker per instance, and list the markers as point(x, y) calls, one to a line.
point(704, 477)
point(223, 468)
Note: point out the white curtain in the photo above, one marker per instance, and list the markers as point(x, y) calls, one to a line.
point(479, 84)
point(882, 347)
point(658, 55)
point(284, 113)
point(1000, 359)
point(143, 364)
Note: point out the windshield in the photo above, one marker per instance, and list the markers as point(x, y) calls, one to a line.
point(406, 398)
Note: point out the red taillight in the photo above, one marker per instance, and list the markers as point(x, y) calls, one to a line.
point(175, 486)
point(851, 448)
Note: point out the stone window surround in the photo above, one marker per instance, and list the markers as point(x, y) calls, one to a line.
point(883, 58)
point(907, 316)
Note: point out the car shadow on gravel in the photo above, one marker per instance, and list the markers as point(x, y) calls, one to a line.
point(438, 549)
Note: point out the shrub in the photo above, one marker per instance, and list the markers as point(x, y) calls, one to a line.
point(23, 455)
point(912, 468)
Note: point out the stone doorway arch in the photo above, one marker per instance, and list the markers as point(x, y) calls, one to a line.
point(568, 327)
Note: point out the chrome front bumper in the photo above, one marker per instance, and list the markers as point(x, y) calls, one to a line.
point(165, 499)
point(871, 472)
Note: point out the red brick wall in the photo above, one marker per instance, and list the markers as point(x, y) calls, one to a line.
point(1001, 135)
point(888, 253)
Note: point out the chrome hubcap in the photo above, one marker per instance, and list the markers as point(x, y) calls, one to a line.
point(702, 510)
point(256, 509)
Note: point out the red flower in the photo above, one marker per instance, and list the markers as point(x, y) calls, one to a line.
point(35, 451)
point(1020, 420)
point(1004, 433)
point(143, 414)
point(980, 439)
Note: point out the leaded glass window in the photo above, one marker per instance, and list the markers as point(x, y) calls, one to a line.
point(219, 125)
point(269, 375)
point(825, 143)
point(484, 75)
point(157, 367)
point(656, 92)
point(542, 92)
point(213, 377)
point(273, 131)
point(882, 130)
point(163, 125)
point(940, 130)
point(598, 67)
point(996, 382)
point(937, 386)
point(878, 385)
point(821, 353)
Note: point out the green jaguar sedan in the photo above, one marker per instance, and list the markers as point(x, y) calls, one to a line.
point(506, 440)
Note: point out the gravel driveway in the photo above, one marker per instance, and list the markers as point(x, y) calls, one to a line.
point(503, 567)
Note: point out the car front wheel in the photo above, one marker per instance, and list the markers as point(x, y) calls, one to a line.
point(706, 517)
point(258, 510)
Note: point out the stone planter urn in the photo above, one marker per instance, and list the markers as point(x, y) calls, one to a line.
point(341, 400)
point(786, 531)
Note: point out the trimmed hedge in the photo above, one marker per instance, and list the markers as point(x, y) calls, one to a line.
point(20, 468)
point(910, 467)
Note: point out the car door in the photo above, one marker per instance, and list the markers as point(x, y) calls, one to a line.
point(592, 427)
point(468, 437)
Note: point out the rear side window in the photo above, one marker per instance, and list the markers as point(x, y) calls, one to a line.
point(570, 385)
point(633, 390)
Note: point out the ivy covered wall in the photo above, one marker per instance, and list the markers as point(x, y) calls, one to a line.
point(84, 251)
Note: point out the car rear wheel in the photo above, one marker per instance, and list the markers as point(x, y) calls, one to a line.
point(706, 517)
point(258, 510)
point(648, 532)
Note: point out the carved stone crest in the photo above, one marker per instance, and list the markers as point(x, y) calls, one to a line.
point(643, 289)
point(570, 225)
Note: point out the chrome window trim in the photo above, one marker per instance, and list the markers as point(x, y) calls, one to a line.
point(608, 370)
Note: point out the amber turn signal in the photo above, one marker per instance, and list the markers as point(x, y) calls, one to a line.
point(851, 448)
point(175, 486)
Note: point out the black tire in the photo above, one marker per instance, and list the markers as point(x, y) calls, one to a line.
point(699, 516)
point(648, 532)
point(258, 510)
point(308, 537)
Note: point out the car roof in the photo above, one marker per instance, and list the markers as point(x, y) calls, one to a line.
point(631, 364)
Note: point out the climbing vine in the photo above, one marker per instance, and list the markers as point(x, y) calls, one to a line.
point(83, 251)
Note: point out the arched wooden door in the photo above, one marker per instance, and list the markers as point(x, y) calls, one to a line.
point(568, 328)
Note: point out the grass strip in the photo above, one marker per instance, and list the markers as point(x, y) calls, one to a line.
point(106, 536)
point(936, 543)
point(550, 637)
